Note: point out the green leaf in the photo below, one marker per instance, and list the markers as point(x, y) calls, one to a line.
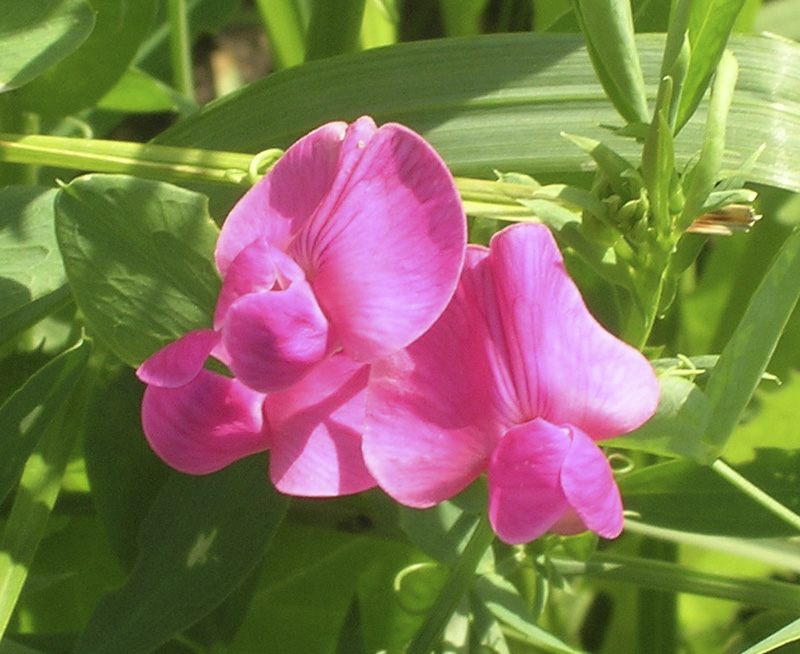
point(32, 278)
point(484, 111)
point(138, 92)
point(743, 361)
point(789, 634)
point(86, 75)
point(608, 28)
point(334, 28)
point(125, 475)
point(684, 496)
point(138, 255)
point(201, 539)
point(709, 25)
point(37, 34)
point(26, 415)
point(678, 425)
point(285, 25)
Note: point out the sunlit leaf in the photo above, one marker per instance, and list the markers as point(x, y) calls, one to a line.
point(36, 34)
point(138, 256)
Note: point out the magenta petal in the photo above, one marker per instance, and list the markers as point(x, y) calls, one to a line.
point(565, 366)
point(258, 267)
point(525, 495)
point(179, 362)
point(205, 425)
point(275, 338)
point(316, 428)
point(285, 197)
point(384, 250)
point(431, 422)
point(590, 488)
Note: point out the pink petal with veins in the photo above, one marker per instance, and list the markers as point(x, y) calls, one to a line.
point(275, 338)
point(316, 428)
point(204, 425)
point(590, 488)
point(179, 362)
point(525, 494)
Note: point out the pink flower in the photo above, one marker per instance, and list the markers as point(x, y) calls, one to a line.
point(517, 379)
point(346, 252)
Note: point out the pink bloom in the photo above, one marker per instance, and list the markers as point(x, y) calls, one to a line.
point(517, 379)
point(346, 252)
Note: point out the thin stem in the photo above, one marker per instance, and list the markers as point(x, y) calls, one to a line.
point(751, 490)
point(180, 48)
point(459, 582)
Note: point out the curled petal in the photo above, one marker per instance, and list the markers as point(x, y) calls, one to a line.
point(590, 488)
point(273, 339)
point(258, 267)
point(204, 425)
point(564, 365)
point(525, 494)
point(316, 428)
point(431, 425)
point(286, 197)
point(384, 249)
point(179, 362)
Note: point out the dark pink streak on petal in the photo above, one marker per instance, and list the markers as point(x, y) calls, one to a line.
point(204, 425)
point(525, 495)
point(274, 338)
point(565, 367)
point(316, 428)
point(590, 487)
point(384, 250)
point(179, 362)
point(431, 421)
point(286, 197)
point(258, 267)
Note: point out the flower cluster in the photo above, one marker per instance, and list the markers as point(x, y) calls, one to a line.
point(369, 345)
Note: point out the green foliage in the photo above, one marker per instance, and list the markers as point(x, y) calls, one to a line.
point(32, 45)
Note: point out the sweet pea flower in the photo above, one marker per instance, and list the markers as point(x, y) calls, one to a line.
point(516, 379)
point(347, 251)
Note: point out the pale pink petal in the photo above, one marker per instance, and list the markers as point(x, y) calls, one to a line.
point(525, 495)
point(590, 488)
point(273, 339)
point(179, 362)
point(431, 423)
point(316, 428)
point(565, 366)
point(258, 267)
point(204, 425)
point(287, 195)
point(384, 249)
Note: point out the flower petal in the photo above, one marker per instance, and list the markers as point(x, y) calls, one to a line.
point(179, 362)
point(565, 366)
point(287, 196)
point(431, 425)
point(525, 495)
point(204, 425)
point(316, 428)
point(590, 488)
point(258, 267)
point(384, 249)
point(273, 339)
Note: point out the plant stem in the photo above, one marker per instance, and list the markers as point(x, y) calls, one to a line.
point(751, 490)
point(459, 582)
point(180, 49)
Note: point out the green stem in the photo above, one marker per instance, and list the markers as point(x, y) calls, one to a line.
point(751, 490)
point(180, 48)
point(460, 580)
